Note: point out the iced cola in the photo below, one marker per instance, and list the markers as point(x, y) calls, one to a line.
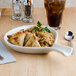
point(54, 11)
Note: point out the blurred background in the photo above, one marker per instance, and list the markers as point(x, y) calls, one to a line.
point(37, 3)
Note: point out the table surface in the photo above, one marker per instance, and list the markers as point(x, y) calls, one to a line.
point(52, 64)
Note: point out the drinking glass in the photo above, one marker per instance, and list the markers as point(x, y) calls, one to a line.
point(54, 11)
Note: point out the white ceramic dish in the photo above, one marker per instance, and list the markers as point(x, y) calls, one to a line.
point(67, 51)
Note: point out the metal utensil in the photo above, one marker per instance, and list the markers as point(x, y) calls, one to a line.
point(69, 36)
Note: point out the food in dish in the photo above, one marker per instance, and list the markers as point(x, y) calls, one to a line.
point(36, 36)
point(17, 38)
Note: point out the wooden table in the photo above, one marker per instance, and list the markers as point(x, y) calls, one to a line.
point(52, 64)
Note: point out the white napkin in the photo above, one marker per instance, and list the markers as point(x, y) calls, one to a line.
point(8, 57)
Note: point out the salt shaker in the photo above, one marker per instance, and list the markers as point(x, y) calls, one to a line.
point(28, 9)
point(16, 10)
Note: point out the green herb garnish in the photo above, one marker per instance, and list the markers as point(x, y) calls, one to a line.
point(39, 24)
point(46, 29)
point(39, 28)
point(35, 28)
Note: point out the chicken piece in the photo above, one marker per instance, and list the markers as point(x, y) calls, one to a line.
point(18, 38)
point(15, 35)
point(36, 44)
point(32, 40)
point(28, 35)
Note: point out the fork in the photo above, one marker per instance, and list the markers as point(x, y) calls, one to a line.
point(1, 58)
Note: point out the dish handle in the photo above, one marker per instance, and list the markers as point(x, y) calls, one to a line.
point(67, 51)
